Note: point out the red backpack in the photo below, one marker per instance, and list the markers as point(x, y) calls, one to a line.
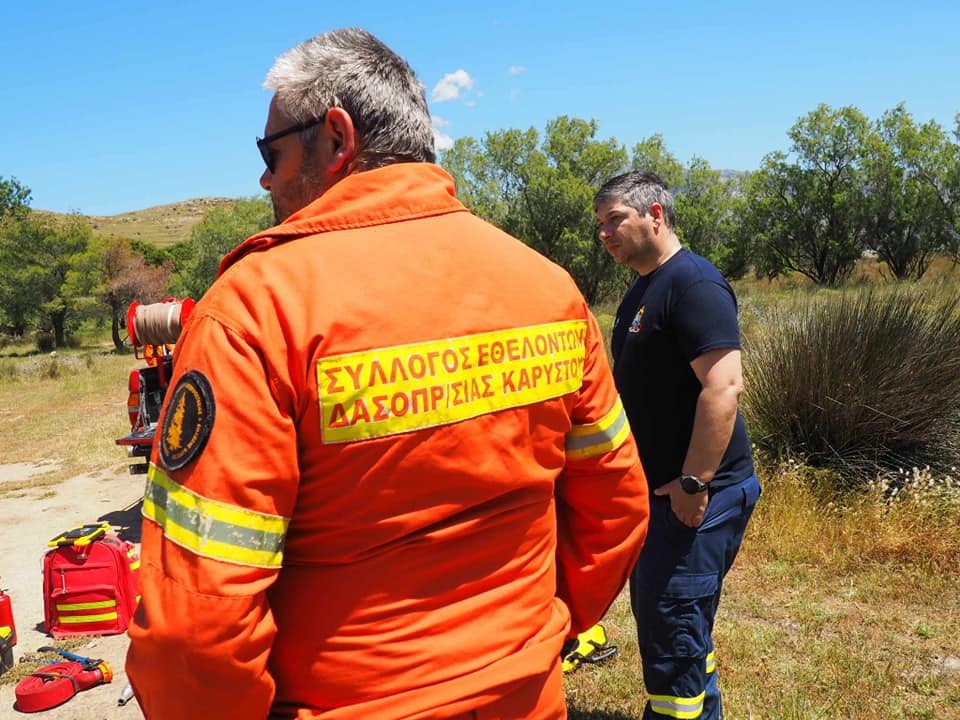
point(91, 583)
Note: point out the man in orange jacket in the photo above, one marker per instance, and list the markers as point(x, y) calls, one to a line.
point(393, 474)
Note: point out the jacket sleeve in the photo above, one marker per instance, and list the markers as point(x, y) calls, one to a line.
point(602, 497)
point(220, 491)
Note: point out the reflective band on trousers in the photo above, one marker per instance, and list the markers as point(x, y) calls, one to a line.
point(711, 662)
point(608, 433)
point(677, 707)
point(212, 528)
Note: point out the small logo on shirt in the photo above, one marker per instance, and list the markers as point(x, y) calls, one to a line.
point(636, 324)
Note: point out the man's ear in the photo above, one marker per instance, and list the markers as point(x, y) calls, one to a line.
point(656, 212)
point(342, 139)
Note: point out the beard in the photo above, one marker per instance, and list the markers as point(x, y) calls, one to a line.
point(280, 213)
point(301, 191)
point(294, 197)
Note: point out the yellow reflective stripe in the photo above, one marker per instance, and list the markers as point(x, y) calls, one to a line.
point(212, 528)
point(88, 605)
point(677, 707)
point(608, 433)
point(135, 565)
point(87, 618)
point(711, 662)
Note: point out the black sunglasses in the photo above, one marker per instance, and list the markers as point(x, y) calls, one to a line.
point(264, 143)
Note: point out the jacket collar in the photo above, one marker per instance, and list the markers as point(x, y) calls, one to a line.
point(404, 191)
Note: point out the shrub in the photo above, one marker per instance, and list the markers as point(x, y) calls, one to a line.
point(856, 380)
point(45, 341)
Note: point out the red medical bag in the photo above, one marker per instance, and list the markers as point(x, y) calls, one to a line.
point(91, 583)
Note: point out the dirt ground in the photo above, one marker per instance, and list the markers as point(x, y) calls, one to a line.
point(28, 519)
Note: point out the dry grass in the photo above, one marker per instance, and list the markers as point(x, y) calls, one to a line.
point(868, 271)
point(834, 609)
point(64, 410)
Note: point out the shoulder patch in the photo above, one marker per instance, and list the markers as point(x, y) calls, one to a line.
point(188, 420)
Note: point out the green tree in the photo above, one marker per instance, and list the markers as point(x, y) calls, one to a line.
point(48, 279)
point(706, 219)
point(220, 231)
point(948, 188)
point(907, 220)
point(14, 206)
point(541, 191)
point(153, 254)
point(14, 198)
point(19, 302)
point(808, 214)
point(651, 155)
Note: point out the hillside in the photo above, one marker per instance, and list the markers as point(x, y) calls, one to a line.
point(164, 225)
point(160, 225)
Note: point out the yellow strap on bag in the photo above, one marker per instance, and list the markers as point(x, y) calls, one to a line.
point(591, 648)
point(81, 536)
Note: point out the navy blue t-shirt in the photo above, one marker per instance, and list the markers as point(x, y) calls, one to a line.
point(681, 310)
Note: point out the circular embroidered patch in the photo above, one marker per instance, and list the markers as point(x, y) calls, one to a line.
point(187, 421)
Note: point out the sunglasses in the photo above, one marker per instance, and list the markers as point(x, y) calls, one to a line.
point(264, 143)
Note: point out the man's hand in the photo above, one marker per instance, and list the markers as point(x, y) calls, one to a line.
point(688, 508)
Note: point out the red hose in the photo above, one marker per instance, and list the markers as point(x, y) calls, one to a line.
point(57, 683)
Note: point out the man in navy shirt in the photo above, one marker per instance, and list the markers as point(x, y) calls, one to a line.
point(676, 349)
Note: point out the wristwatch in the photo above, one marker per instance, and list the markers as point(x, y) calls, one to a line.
point(692, 485)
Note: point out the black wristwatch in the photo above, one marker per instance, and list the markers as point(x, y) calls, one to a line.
point(692, 485)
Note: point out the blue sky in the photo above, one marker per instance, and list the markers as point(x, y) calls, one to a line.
point(108, 107)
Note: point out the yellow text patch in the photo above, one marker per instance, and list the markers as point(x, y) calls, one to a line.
point(397, 389)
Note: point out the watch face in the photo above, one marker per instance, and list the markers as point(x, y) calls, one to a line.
point(691, 484)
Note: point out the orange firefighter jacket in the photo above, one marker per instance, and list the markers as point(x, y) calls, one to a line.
point(392, 473)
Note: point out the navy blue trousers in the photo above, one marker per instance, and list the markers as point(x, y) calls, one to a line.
point(674, 591)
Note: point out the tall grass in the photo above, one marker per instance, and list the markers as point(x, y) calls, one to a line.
point(857, 379)
point(840, 605)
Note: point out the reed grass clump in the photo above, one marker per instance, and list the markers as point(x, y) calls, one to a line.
point(857, 380)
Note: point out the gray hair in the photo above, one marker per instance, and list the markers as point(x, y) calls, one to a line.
point(638, 190)
point(352, 69)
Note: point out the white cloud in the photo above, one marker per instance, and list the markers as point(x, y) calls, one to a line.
point(450, 86)
point(470, 103)
point(516, 69)
point(441, 141)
